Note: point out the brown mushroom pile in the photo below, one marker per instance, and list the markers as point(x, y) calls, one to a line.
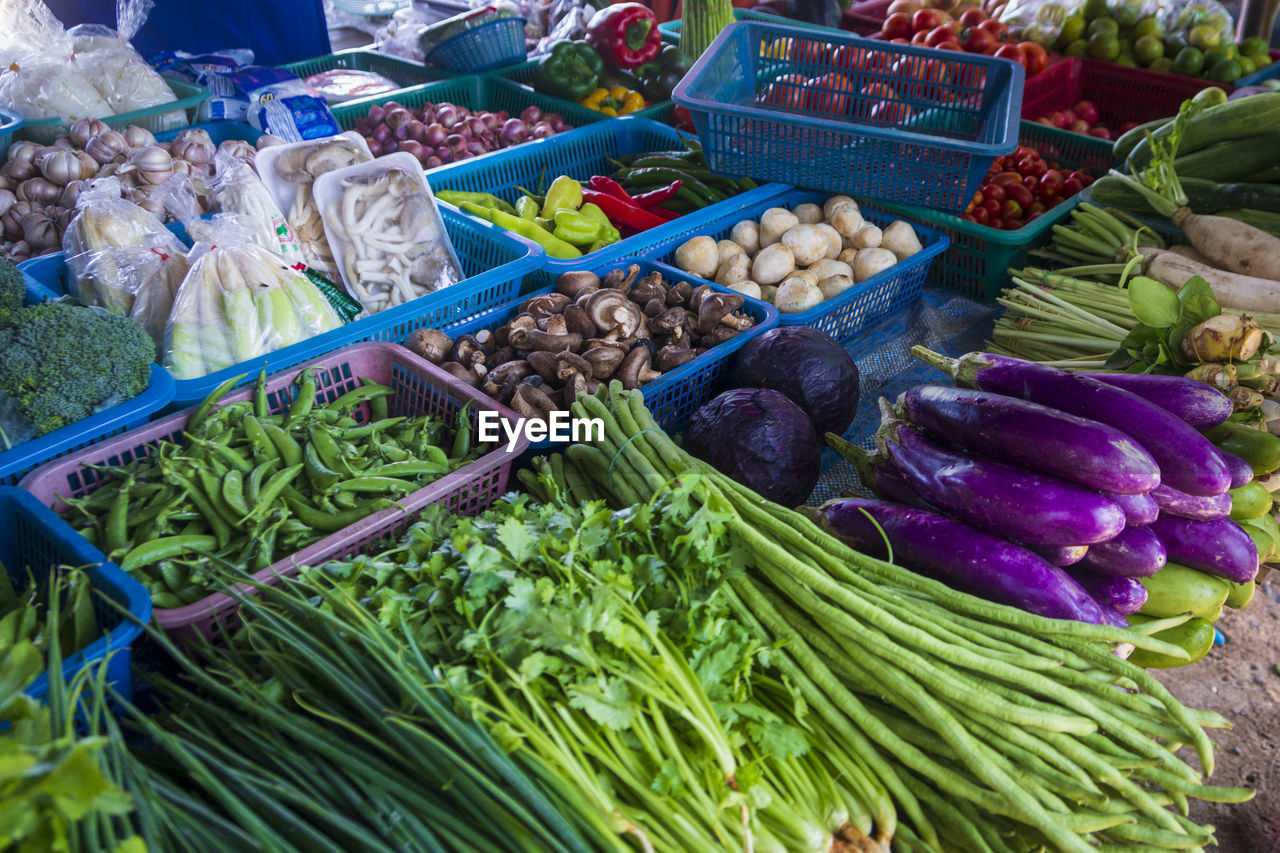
point(587, 332)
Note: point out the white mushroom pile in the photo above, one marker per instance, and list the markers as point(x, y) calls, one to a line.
point(798, 258)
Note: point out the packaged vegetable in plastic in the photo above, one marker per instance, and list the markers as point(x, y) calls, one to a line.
point(343, 84)
point(385, 231)
point(238, 189)
point(288, 172)
point(239, 301)
point(123, 78)
point(1202, 23)
point(122, 258)
point(1039, 21)
point(39, 75)
point(399, 35)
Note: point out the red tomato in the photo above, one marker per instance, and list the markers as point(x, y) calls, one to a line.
point(928, 19)
point(787, 91)
point(1100, 132)
point(950, 45)
point(972, 17)
point(890, 112)
point(992, 207)
point(1037, 56)
point(1010, 210)
point(1070, 187)
point(1051, 183)
point(861, 59)
point(1036, 207)
point(829, 93)
point(899, 41)
point(1004, 179)
point(809, 51)
point(1012, 52)
point(977, 200)
point(1083, 177)
point(897, 25)
point(907, 7)
point(981, 215)
point(919, 37)
point(879, 91)
point(997, 29)
point(976, 39)
point(1020, 194)
point(938, 35)
point(1034, 215)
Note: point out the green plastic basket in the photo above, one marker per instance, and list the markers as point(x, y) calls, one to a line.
point(171, 116)
point(402, 72)
point(977, 262)
point(475, 92)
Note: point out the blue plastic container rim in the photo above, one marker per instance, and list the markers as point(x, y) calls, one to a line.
point(10, 121)
point(766, 317)
point(219, 132)
point(1008, 138)
point(935, 242)
point(105, 576)
point(471, 33)
point(192, 391)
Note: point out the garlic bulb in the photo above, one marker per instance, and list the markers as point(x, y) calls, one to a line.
point(239, 149)
point(60, 167)
point(106, 146)
point(18, 170)
point(152, 206)
point(70, 193)
point(20, 251)
point(182, 167)
point(63, 143)
point(88, 166)
point(39, 191)
point(84, 130)
point(7, 201)
point(266, 140)
point(39, 232)
point(153, 164)
point(24, 152)
point(138, 137)
point(194, 146)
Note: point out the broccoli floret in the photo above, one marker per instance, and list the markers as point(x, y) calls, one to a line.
point(60, 362)
point(12, 292)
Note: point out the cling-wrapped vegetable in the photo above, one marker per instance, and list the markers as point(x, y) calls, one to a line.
point(122, 258)
point(385, 232)
point(238, 302)
point(238, 189)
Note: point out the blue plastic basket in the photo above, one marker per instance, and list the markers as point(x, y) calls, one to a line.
point(493, 260)
point(488, 46)
point(859, 306)
point(9, 124)
point(136, 412)
point(219, 132)
point(876, 128)
point(674, 396)
point(582, 153)
point(35, 538)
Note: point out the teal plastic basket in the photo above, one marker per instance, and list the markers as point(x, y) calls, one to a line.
point(219, 132)
point(674, 395)
point(494, 262)
point(907, 124)
point(524, 74)
point(171, 116)
point(17, 461)
point(488, 46)
point(852, 311)
point(34, 537)
point(580, 154)
point(9, 124)
point(977, 262)
point(402, 72)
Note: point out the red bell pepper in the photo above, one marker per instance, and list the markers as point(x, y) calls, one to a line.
point(623, 214)
point(625, 35)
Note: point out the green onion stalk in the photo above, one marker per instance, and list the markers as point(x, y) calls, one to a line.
point(1057, 319)
point(1099, 243)
point(701, 22)
point(990, 728)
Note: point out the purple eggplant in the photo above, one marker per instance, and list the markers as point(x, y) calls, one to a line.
point(1126, 595)
point(1135, 553)
point(1241, 471)
point(959, 556)
point(1219, 547)
point(1198, 404)
point(1183, 505)
point(1114, 617)
point(1033, 436)
point(878, 474)
point(1138, 509)
point(1187, 460)
point(1059, 555)
point(999, 498)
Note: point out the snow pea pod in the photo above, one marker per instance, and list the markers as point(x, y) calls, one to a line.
point(165, 548)
point(286, 445)
point(202, 411)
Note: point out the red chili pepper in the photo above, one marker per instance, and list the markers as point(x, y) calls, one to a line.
point(609, 186)
point(653, 198)
point(623, 214)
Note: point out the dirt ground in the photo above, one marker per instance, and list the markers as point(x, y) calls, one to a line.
point(1241, 680)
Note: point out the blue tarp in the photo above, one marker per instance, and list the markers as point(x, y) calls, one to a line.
point(278, 31)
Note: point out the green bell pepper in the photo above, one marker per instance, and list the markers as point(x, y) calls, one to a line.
point(571, 70)
point(564, 194)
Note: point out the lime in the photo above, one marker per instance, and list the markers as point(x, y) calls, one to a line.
point(1189, 61)
point(1216, 54)
point(1126, 14)
point(1072, 29)
point(1103, 25)
point(1079, 47)
point(1226, 71)
point(1252, 47)
point(1204, 37)
point(1260, 62)
point(1247, 65)
point(1094, 9)
point(1174, 43)
point(1147, 26)
point(1103, 46)
point(1209, 96)
point(1148, 49)
point(1163, 64)
point(1127, 60)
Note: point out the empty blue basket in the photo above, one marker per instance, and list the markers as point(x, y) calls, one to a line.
point(490, 45)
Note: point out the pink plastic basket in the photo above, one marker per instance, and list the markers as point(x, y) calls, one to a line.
point(420, 387)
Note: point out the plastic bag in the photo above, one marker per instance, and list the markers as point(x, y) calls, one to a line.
point(342, 84)
point(1039, 21)
point(273, 100)
point(288, 171)
point(385, 231)
point(565, 20)
point(238, 189)
point(399, 37)
point(122, 258)
point(237, 302)
point(1207, 20)
point(123, 78)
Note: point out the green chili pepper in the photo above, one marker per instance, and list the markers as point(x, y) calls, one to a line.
point(527, 207)
point(564, 194)
point(457, 198)
point(554, 247)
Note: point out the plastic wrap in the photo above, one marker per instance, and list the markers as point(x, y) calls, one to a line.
point(1219, 27)
point(385, 231)
point(288, 172)
point(562, 20)
point(343, 84)
point(238, 189)
point(125, 81)
point(122, 258)
point(237, 302)
point(1039, 21)
point(399, 36)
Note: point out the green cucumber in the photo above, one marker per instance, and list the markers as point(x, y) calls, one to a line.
point(1177, 589)
point(1232, 160)
point(1242, 119)
point(1260, 449)
point(1130, 138)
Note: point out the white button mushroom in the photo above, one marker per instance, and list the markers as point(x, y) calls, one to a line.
point(872, 261)
point(736, 268)
point(726, 249)
point(846, 221)
point(699, 256)
point(825, 268)
point(809, 214)
point(772, 264)
point(748, 288)
point(831, 205)
point(901, 239)
point(848, 256)
point(867, 237)
point(835, 285)
point(834, 241)
point(747, 235)
point(796, 295)
point(806, 243)
point(775, 222)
